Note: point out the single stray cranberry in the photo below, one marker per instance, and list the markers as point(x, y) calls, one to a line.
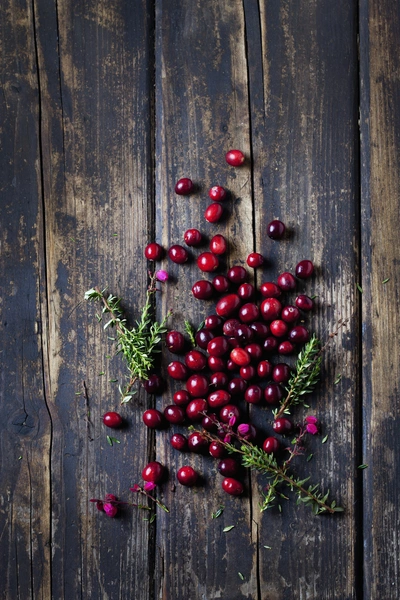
point(235, 158)
point(217, 193)
point(153, 251)
point(271, 445)
point(276, 230)
point(153, 418)
point(218, 244)
point(202, 290)
point(178, 254)
point(287, 282)
point(177, 370)
point(192, 237)
point(113, 420)
point(255, 260)
point(213, 213)
point(299, 334)
point(304, 269)
point(187, 475)
point(184, 186)
point(153, 471)
point(282, 425)
point(228, 467)
point(179, 442)
point(232, 486)
point(207, 261)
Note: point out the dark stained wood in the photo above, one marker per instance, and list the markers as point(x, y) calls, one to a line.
point(380, 127)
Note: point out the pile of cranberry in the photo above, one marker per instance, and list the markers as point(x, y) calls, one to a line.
point(234, 355)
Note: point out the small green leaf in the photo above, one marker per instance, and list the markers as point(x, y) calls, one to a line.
point(362, 467)
point(112, 440)
point(218, 512)
point(324, 439)
point(315, 296)
point(338, 378)
point(268, 547)
point(19, 457)
point(359, 288)
point(228, 528)
point(78, 393)
point(241, 575)
point(113, 380)
point(152, 518)
point(386, 280)
point(102, 373)
point(309, 457)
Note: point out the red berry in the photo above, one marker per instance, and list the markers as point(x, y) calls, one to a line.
point(281, 373)
point(179, 442)
point(184, 186)
point(270, 290)
point(276, 230)
point(112, 419)
point(237, 386)
point(192, 237)
point(178, 254)
point(202, 338)
point(210, 423)
point(299, 334)
point(240, 357)
point(197, 385)
point(218, 244)
point(279, 328)
point(215, 363)
point(245, 291)
point(217, 193)
point(260, 329)
point(271, 445)
point(304, 269)
point(197, 443)
point(218, 399)
point(228, 467)
point(235, 158)
point(253, 394)
point(202, 290)
point(282, 425)
point(290, 314)
point(255, 351)
point(264, 369)
point(153, 251)
point(244, 333)
point(227, 412)
point(218, 346)
point(153, 471)
point(230, 326)
point(175, 341)
point(249, 312)
point(196, 408)
point(153, 384)
point(220, 283)
point(181, 398)
point(212, 322)
point(287, 282)
point(227, 305)
point(177, 370)
point(216, 449)
point(255, 260)
point(195, 360)
point(187, 476)
point(232, 486)
point(237, 274)
point(153, 418)
point(213, 213)
point(174, 414)
point(247, 373)
point(219, 380)
point(273, 393)
point(271, 309)
point(270, 344)
point(207, 261)
point(286, 348)
point(304, 302)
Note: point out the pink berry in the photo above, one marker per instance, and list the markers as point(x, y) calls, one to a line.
point(187, 476)
point(255, 260)
point(153, 251)
point(232, 486)
point(112, 419)
point(217, 193)
point(184, 186)
point(192, 237)
point(178, 254)
point(153, 471)
point(235, 158)
point(218, 244)
point(207, 261)
point(162, 275)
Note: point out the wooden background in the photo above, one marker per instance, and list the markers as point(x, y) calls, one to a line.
point(104, 105)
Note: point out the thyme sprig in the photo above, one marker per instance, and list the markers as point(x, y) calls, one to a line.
point(138, 344)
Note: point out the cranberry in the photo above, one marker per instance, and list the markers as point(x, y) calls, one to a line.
point(282, 425)
point(175, 341)
point(255, 260)
point(237, 274)
point(184, 186)
point(261, 330)
point(219, 380)
point(286, 347)
point(270, 290)
point(304, 302)
point(281, 373)
point(230, 365)
point(235, 158)
point(217, 193)
point(207, 262)
point(196, 408)
point(304, 269)
point(179, 442)
point(153, 418)
point(174, 414)
point(279, 328)
point(237, 386)
point(227, 412)
point(202, 338)
point(181, 398)
point(213, 213)
point(249, 312)
point(178, 254)
point(299, 334)
point(232, 486)
point(197, 443)
point(271, 445)
point(213, 322)
point(270, 344)
point(113, 420)
point(197, 385)
point(192, 237)
point(290, 314)
point(240, 357)
point(153, 471)
point(264, 369)
point(218, 244)
point(271, 309)
point(228, 467)
point(227, 305)
point(273, 393)
point(216, 363)
point(287, 282)
point(218, 346)
point(210, 423)
point(187, 476)
point(255, 351)
point(247, 373)
point(221, 283)
point(216, 449)
point(195, 360)
point(177, 370)
point(253, 394)
point(276, 230)
point(202, 290)
point(244, 333)
point(230, 327)
point(153, 251)
point(218, 398)
point(245, 291)
point(153, 384)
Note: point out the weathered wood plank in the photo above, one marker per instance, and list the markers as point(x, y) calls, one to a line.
point(303, 95)
point(380, 127)
point(25, 424)
point(96, 90)
point(201, 112)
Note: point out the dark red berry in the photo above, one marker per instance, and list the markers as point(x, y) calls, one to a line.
point(202, 290)
point(179, 442)
point(197, 443)
point(253, 394)
point(276, 230)
point(264, 369)
point(221, 283)
point(228, 412)
point(218, 244)
point(219, 380)
point(153, 251)
point(255, 260)
point(195, 360)
point(244, 333)
point(282, 425)
point(281, 373)
point(202, 338)
point(216, 449)
point(237, 386)
point(255, 351)
point(192, 237)
point(175, 341)
point(290, 314)
point(237, 274)
point(182, 398)
point(207, 262)
point(218, 398)
point(299, 334)
point(279, 328)
point(247, 373)
point(227, 305)
point(196, 408)
point(304, 269)
point(261, 330)
point(174, 414)
point(235, 158)
point(245, 291)
point(216, 363)
point(271, 309)
point(187, 476)
point(113, 420)
point(287, 282)
point(177, 370)
point(217, 193)
point(271, 445)
point(304, 302)
point(273, 393)
point(212, 322)
point(178, 254)
point(213, 213)
point(154, 384)
point(232, 486)
point(270, 290)
point(270, 344)
point(218, 346)
point(184, 186)
point(153, 471)
point(153, 418)
point(197, 386)
point(228, 467)
point(286, 348)
point(210, 423)
point(230, 327)
point(240, 357)
point(248, 313)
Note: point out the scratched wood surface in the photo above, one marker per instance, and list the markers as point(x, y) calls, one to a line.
point(103, 107)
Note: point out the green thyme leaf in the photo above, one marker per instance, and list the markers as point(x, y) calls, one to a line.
point(362, 467)
point(112, 440)
point(218, 512)
point(324, 439)
point(241, 575)
point(386, 280)
point(359, 288)
point(228, 528)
